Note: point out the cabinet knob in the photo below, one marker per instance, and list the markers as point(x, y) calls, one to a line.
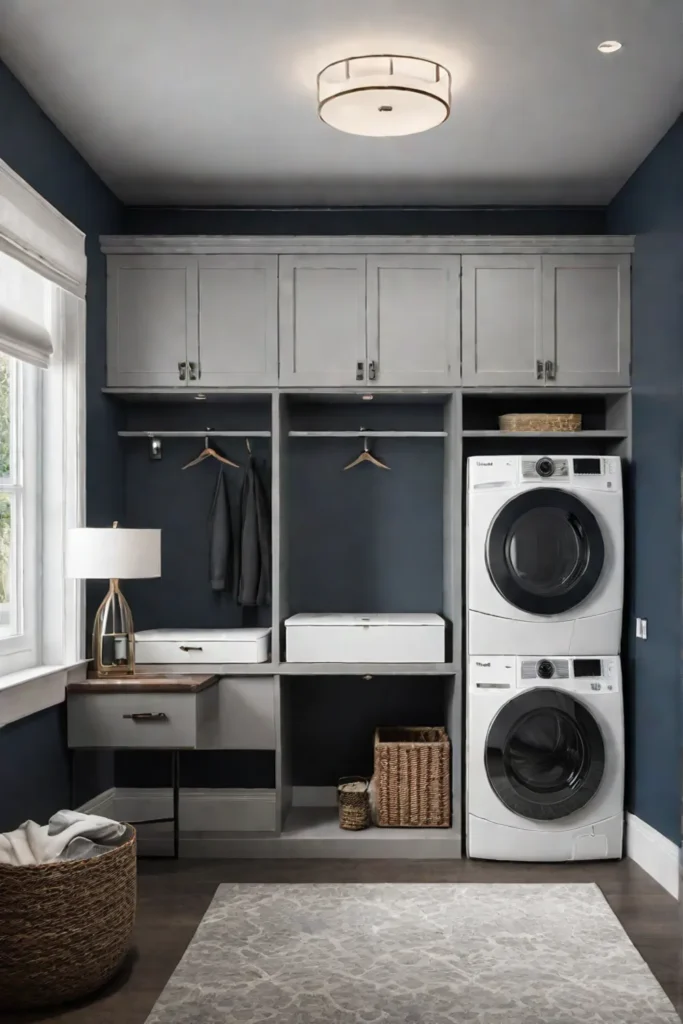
point(194, 372)
point(182, 371)
point(183, 648)
point(549, 370)
point(539, 369)
point(359, 370)
point(372, 370)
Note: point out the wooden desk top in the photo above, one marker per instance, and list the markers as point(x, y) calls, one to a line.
point(190, 683)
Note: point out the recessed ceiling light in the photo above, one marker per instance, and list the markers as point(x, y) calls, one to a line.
point(609, 46)
point(367, 398)
point(200, 398)
point(384, 95)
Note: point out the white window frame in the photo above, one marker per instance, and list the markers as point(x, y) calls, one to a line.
point(22, 648)
point(37, 235)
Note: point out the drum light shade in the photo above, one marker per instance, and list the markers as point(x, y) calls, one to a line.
point(113, 554)
point(384, 95)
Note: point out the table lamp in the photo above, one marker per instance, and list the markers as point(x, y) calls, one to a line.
point(113, 554)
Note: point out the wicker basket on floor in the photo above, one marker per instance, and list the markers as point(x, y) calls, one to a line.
point(65, 928)
point(354, 802)
point(412, 781)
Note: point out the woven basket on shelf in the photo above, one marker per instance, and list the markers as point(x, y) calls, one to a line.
point(65, 927)
point(354, 802)
point(412, 782)
point(520, 422)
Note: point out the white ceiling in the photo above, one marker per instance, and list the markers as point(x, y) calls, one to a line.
point(213, 101)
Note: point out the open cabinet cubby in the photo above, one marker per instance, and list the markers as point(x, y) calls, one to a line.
point(158, 492)
point(366, 539)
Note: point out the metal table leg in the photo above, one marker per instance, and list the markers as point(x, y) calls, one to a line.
point(175, 783)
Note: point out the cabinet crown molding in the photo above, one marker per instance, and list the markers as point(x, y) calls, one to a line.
point(370, 244)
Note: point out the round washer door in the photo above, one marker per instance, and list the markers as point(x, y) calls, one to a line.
point(544, 755)
point(545, 551)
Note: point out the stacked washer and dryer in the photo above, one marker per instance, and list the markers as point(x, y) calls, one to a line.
point(545, 722)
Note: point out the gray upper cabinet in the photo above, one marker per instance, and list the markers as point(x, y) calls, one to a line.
point(151, 320)
point(502, 343)
point(413, 320)
point(237, 321)
point(322, 320)
point(587, 320)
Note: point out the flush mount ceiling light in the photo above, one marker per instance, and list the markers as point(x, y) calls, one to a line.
point(384, 95)
point(609, 46)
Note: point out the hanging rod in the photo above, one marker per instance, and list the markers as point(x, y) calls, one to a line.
point(194, 433)
point(368, 433)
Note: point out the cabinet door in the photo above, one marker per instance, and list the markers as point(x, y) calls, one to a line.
point(322, 320)
point(247, 713)
point(413, 320)
point(151, 320)
point(501, 321)
point(587, 319)
point(237, 321)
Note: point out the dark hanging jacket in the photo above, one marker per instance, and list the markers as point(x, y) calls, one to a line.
point(254, 553)
point(221, 550)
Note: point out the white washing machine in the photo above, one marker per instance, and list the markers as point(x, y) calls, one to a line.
point(545, 554)
point(545, 758)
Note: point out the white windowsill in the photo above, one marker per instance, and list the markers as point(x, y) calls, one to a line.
point(35, 689)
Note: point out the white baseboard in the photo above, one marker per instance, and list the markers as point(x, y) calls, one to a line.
point(314, 796)
point(653, 852)
point(201, 811)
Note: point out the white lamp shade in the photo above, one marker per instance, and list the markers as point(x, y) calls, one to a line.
point(113, 554)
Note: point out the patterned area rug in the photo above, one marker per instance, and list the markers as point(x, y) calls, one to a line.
point(414, 954)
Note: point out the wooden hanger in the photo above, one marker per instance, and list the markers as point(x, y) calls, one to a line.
point(210, 453)
point(366, 456)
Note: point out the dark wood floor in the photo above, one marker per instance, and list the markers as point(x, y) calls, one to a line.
point(175, 895)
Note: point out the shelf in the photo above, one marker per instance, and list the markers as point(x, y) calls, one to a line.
point(264, 668)
point(293, 668)
point(368, 433)
point(510, 435)
point(194, 433)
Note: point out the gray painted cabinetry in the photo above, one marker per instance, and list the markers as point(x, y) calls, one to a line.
point(546, 320)
point(192, 321)
point(389, 321)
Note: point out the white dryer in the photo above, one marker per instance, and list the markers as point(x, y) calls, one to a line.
point(545, 758)
point(545, 554)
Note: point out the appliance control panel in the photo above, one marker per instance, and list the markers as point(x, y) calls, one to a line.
point(577, 675)
point(593, 472)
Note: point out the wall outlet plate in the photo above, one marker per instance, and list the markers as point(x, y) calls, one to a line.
point(641, 629)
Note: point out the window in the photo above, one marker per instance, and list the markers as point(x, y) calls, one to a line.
point(24, 304)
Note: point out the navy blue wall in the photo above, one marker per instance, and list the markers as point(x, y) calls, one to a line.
point(526, 220)
point(650, 205)
point(33, 750)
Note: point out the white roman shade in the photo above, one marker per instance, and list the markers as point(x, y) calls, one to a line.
point(35, 233)
point(25, 313)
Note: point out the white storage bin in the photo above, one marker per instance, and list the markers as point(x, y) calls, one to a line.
point(202, 646)
point(378, 638)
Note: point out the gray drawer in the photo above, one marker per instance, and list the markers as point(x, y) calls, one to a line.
point(186, 720)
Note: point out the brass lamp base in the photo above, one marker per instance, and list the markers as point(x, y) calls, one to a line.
point(113, 636)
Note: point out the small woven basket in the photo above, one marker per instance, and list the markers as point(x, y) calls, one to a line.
point(537, 422)
point(354, 802)
point(65, 927)
point(412, 782)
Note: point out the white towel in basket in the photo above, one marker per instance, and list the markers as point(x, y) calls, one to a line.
point(70, 835)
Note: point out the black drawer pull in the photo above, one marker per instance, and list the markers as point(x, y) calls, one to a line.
point(148, 716)
point(191, 648)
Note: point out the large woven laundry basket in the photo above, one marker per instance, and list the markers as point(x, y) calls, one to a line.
point(412, 780)
point(65, 928)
